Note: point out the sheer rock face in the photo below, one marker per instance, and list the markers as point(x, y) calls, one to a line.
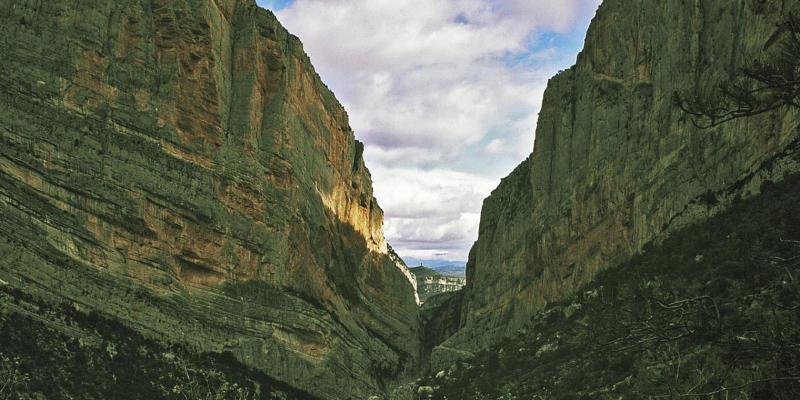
point(401, 265)
point(180, 165)
point(616, 164)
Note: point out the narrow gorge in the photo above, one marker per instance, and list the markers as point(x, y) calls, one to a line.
point(185, 212)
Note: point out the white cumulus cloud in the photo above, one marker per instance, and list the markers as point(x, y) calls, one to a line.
point(444, 93)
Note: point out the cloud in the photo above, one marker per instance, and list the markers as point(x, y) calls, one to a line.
point(433, 210)
point(413, 73)
point(496, 146)
point(444, 93)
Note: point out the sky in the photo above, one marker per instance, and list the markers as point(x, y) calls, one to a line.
point(444, 94)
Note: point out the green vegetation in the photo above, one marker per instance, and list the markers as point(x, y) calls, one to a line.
point(64, 353)
point(710, 313)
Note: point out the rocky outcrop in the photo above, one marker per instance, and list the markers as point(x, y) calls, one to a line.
point(429, 282)
point(179, 165)
point(616, 163)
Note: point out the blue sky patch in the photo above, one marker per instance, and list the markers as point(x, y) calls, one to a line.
point(275, 5)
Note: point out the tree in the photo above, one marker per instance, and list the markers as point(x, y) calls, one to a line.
point(13, 381)
point(767, 84)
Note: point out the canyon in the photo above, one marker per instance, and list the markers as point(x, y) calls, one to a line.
point(178, 185)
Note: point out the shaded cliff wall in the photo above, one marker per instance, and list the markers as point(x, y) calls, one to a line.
point(403, 267)
point(616, 164)
point(179, 165)
point(439, 317)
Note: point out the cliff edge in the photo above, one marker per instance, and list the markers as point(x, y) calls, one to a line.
point(616, 163)
point(179, 166)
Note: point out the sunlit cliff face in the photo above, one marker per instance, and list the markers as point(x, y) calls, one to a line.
point(444, 95)
point(186, 168)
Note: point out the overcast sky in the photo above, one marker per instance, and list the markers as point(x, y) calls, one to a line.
point(444, 94)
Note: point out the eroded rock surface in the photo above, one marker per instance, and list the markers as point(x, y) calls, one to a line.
point(180, 166)
point(616, 163)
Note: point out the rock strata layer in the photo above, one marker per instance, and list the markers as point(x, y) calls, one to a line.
point(430, 282)
point(616, 163)
point(179, 166)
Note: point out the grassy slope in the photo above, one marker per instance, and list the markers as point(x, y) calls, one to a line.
point(712, 312)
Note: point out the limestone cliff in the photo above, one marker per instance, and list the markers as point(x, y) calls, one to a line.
point(401, 265)
point(179, 165)
point(430, 282)
point(616, 164)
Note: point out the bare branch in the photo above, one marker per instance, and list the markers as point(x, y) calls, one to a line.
point(722, 389)
point(766, 85)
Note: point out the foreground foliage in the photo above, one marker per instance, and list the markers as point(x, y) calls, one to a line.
point(55, 351)
point(711, 313)
point(768, 83)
